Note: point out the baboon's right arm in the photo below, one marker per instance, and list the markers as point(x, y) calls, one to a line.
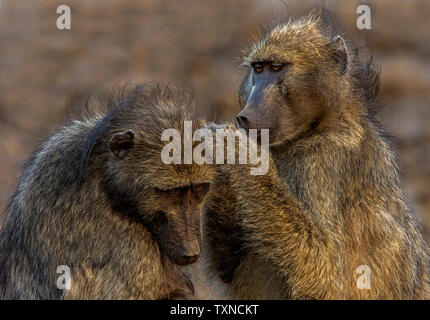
point(223, 231)
point(277, 227)
point(258, 213)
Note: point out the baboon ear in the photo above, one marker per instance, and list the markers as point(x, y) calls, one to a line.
point(121, 143)
point(340, 53)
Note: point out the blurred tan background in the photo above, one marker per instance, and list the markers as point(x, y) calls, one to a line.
point(45, 73)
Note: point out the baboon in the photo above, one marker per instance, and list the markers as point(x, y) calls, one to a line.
point(97, 198)
point(330, 205)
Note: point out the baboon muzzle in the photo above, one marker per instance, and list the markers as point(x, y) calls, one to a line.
point(252, 116)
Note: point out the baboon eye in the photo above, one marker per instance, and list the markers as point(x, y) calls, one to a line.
point(202, 188)
point(258, 68)
point(276, 67)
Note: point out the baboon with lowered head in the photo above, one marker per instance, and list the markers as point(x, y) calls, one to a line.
point(96, 197)
point(330, 205)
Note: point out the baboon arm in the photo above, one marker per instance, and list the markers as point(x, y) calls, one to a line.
point(223, 231)
point(258, 213)
point(279, 228)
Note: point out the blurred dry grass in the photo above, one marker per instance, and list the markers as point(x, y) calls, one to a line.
point(45, 73)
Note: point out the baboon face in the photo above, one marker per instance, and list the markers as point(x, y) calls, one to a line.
point(169, 198)
point(263, 102)
point(288, 74)
point(177, 222)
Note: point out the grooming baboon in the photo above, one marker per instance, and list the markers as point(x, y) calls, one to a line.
point(97, 198)
point(331, 201)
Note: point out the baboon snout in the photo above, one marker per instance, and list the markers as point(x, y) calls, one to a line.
point(245, 120)
point(188, 253)
point(242, 122)
point(253, 119)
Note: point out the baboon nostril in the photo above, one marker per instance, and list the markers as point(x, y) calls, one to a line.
point(242, 122)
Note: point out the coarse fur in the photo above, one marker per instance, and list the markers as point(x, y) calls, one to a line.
point(97, 198)
point(331, 201)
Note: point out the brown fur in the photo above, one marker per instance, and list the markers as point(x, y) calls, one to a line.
point(331, 200)
point(98, 211)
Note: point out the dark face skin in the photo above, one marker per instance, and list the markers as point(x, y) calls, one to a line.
point(177, 222)
point(258, 112)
